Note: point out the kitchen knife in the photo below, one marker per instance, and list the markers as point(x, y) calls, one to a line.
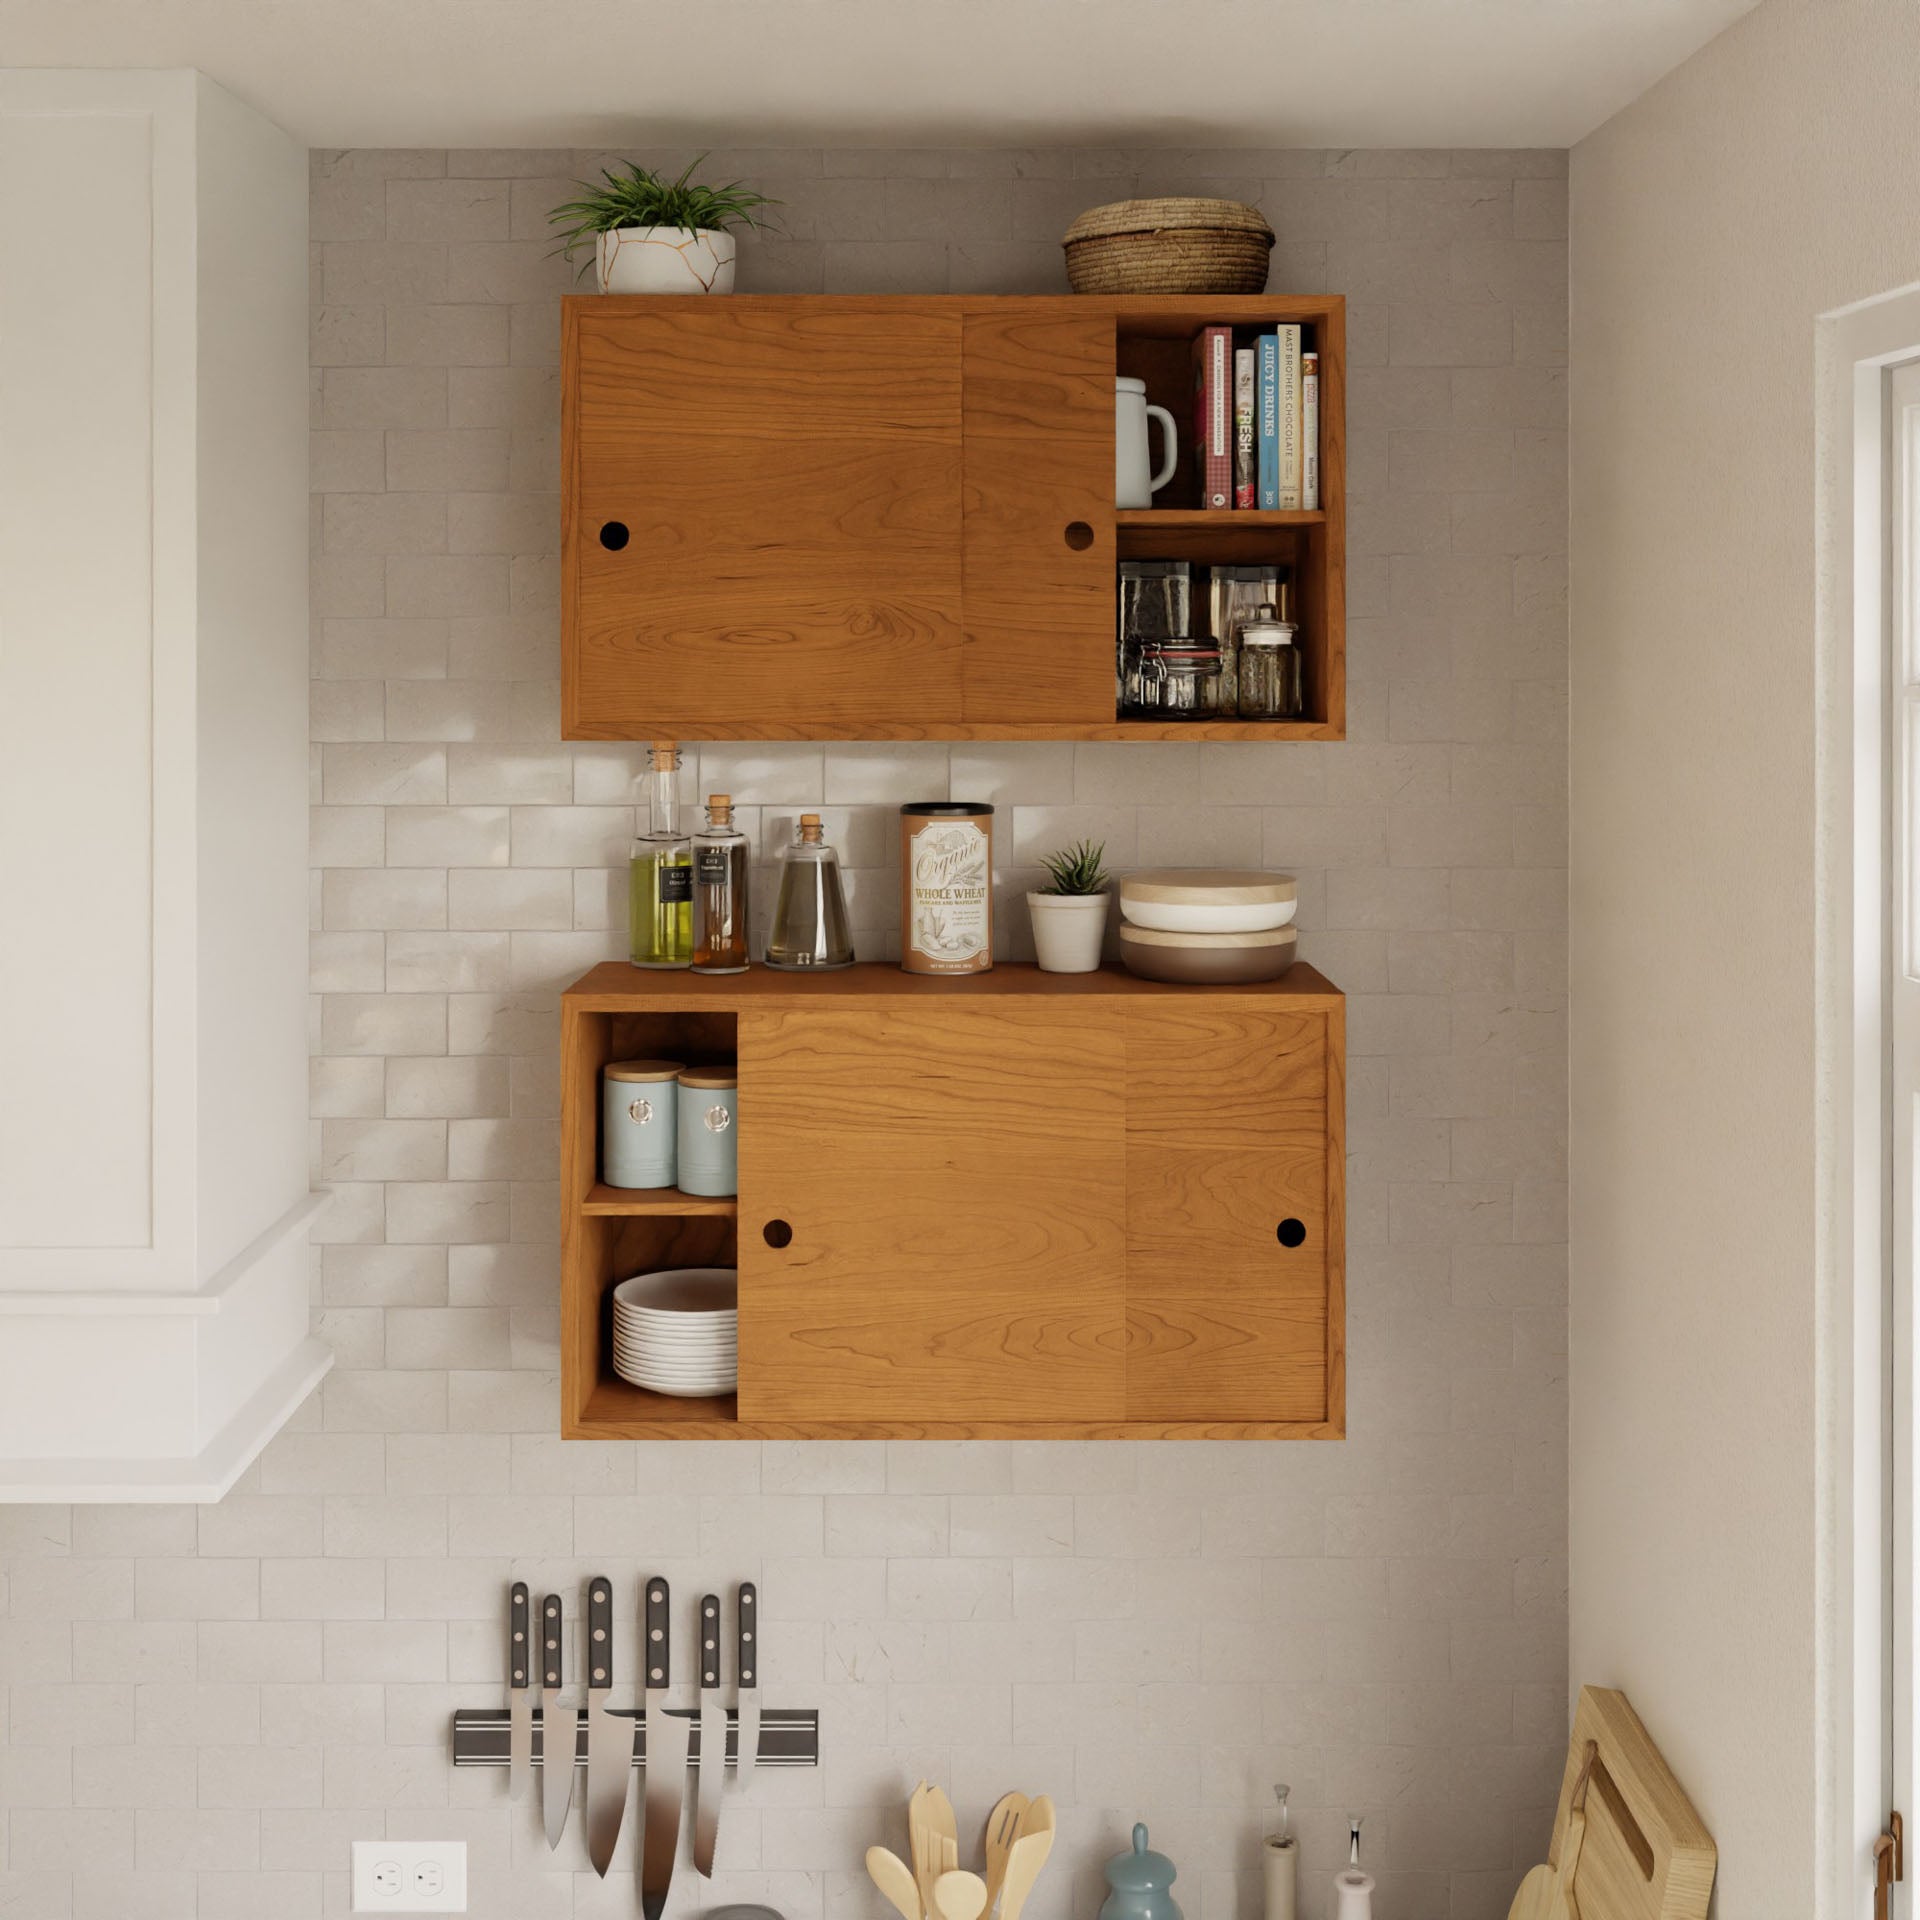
point(713, 1739)
point(609, 1740)
point(747, 1739)
point(666, 1754)
point(519, 1693)
point(559, 1725)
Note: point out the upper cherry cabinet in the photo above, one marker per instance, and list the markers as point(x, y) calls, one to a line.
point(823, 517)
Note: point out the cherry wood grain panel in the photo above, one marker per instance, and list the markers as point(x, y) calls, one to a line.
point(1037, 416)
point(953, 1179)
point(1223, 1322)
point(1209, 1071)
point(789, 475)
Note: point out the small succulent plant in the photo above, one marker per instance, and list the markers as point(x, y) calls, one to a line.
point(1078, 869)
point(641, 198)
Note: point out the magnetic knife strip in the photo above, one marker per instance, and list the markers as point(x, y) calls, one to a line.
point(789, 1736)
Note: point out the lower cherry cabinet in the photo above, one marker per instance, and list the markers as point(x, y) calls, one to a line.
point(1022, 1204)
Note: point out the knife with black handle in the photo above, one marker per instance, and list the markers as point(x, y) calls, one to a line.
point(609, 1740)
point(519, 1692)
point(559, 1725)
point(713, 1739)
point(748, 1671)
point(666, 1752)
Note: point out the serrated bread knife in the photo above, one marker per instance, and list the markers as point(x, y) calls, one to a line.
point(713, 1739)
point(747, 1747)
point(519, 1693)
point(666, 1753)
point(609, 1740)
point(559, 1725)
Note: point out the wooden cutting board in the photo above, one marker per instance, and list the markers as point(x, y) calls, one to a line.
point(1627, 1844)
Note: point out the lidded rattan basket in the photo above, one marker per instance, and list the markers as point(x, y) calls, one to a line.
point(1169, 246)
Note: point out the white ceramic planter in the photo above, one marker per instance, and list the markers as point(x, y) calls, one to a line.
point(1068, 929)
point(665, 260)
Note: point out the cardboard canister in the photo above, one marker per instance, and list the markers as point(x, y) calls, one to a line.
point(946, 886)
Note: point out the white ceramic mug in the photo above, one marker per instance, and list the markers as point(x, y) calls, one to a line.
point(1134, 480)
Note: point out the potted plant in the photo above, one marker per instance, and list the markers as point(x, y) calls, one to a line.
point(654, 235)
point(1070, 914)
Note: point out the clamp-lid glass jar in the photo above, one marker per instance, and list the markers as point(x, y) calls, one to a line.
point(1183, 683)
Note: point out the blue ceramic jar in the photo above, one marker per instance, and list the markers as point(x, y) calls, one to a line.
point(1141, 1882)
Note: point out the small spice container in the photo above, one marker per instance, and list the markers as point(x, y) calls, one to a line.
point(1270, 680)
point(946, 887)
point(709, 1107)
point(638, 1099)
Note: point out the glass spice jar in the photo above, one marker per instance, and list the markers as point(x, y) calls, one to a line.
point(1182, 683)
point(1270, 679)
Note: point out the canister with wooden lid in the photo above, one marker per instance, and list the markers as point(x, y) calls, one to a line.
point(638, 1102)
point(708, 1129)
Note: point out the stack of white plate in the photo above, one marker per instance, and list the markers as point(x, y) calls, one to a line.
point(678, 1332)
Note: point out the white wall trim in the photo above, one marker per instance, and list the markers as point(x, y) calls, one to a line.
point(205, 1301)
point(205, 1477)
point(1852, 1333)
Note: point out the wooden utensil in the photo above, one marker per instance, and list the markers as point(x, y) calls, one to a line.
point(959, 1896)
point(895, 1879)
point(1627, 1844)
point(1003, 1829)
point(922, 1846)
point(1029, 1855)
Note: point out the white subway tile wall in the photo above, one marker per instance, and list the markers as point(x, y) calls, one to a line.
point(204, 1708)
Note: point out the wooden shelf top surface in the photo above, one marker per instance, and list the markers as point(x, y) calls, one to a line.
point(615, 986)
point(1222, 518)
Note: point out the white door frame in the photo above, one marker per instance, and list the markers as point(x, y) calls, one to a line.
point(1857, 1570)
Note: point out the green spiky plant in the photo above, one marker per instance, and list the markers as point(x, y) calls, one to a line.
point(1079, 870)
point(640, 197)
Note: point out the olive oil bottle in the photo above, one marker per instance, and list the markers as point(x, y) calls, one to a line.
point(660, 876)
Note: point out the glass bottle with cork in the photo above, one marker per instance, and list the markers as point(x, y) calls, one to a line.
point(660, 874)
point(720, 891)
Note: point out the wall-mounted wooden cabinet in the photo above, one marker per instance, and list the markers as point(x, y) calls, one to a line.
point(822, 517)
point(1052, 1205)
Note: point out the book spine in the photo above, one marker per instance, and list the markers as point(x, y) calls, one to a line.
point(1243, 382)
point(1310, 430)
point(1213, 397)
point(1268, 427)
point(1289, 418)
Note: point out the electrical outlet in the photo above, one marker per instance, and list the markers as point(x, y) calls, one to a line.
point(409, 1876)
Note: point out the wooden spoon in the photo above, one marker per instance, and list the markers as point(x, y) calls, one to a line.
point(959, 1896)
point(895, 1879)
point(1003, 1829)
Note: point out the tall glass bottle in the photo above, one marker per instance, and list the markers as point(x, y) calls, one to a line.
point(660, 876)
point(719, 891)
point(810, 918)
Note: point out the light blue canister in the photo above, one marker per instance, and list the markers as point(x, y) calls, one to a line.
point(709, 1108)
point(1140, 1883)
point(638, 1099)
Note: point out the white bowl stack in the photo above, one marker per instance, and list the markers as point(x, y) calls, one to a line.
point(678, 1331)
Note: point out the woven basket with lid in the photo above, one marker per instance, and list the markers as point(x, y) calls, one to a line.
point(1169, 246)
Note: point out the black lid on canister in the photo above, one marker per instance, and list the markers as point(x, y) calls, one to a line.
point(960, 808)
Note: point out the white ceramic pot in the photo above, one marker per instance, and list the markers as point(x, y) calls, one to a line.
point(665, 260)
point(1068, 929)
